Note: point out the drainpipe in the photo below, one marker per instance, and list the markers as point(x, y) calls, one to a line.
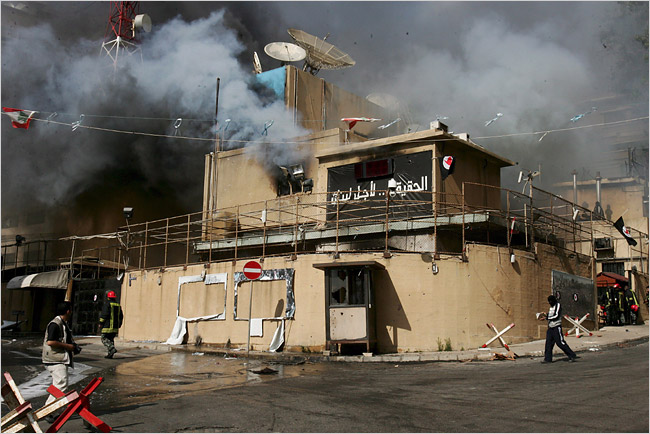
point(598, 209)
point(575, 187)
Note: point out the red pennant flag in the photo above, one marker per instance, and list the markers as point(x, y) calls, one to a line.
point(19, 118)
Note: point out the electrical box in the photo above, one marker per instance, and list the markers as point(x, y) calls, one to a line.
point(603, 244)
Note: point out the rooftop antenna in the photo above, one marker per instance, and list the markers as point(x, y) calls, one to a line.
point(320, 54)
point(285, 52)
point(529, 179)
point(257, 66)
point(123, 21)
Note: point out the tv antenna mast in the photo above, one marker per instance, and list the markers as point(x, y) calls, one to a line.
point(320, 54)
point(123, 21)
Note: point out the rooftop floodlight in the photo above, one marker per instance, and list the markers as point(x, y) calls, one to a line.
point(297, 171)
point(128, 212)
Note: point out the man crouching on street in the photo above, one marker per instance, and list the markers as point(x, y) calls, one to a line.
point(110, 321)
point(554, 334)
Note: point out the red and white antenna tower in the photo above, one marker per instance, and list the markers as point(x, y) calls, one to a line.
point(120, 38)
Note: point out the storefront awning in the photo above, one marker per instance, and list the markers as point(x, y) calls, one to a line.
point(374, 265)
point(50, 279)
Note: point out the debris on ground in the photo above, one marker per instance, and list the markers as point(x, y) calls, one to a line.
point(265, 371)
point(510, 355)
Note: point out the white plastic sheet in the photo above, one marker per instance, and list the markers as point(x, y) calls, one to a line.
point(278, 338)
point(180, 326)
point(256, 327)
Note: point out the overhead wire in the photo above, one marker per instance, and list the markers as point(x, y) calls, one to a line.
point(233, 141)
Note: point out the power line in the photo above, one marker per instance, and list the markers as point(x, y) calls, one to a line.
point(140, 133)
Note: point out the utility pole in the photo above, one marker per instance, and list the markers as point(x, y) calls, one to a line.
point(217, 148)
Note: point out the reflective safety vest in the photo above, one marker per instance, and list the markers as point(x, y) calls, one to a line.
point(112, 317)
point(630, 297)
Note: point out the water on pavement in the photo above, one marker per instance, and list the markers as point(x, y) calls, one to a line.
point(172, 374)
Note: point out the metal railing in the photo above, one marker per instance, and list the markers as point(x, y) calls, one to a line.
point(380, 222)
point(377, 221)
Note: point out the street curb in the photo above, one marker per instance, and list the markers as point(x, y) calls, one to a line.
point(296, 358)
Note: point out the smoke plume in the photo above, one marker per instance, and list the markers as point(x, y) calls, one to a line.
point(537, 63)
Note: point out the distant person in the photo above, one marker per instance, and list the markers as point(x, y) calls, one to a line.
point(58, 348)
point(619, 301)
point(631, 306)
point(554, 334)
point(109, 323)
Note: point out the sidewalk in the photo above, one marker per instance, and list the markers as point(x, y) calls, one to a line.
point(600, 340)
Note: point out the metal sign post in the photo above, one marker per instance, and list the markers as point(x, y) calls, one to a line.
point(252, 271)
point(250, 311)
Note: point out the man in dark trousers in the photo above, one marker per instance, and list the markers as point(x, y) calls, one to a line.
point(554, 334)
point(58, 349)
point(631, 306)
point(109, 322)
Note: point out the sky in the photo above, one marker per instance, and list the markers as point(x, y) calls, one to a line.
point(539, 64)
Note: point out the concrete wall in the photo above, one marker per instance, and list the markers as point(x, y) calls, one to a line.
point(470, 166)
point(235, 167)
point(415, 308)
point(318, 105)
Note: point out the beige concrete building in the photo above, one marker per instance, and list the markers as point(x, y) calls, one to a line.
point(389, 244)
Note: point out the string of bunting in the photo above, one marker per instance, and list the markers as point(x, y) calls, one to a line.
point(79, 124)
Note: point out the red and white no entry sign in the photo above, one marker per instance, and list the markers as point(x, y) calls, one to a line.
point(252, 270)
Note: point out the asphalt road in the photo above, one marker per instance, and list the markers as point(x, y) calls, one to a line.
point(605, 391)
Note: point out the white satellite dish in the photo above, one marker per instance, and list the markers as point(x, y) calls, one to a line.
point(285, 51)
point(320, 54)
point(142, 21)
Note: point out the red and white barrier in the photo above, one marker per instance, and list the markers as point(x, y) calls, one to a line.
point(21, 415)
point(498, 335)
point(577, 325)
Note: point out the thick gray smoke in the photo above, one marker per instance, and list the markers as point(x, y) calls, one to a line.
point(538, 63)
point(172, 92)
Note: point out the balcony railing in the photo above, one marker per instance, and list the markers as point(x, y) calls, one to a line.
point(382, 222)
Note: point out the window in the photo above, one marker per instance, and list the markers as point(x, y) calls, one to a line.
point(347, 286)
point(614, 267)
point(374, 169)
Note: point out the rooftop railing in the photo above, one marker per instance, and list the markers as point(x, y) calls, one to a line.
point(370, 221)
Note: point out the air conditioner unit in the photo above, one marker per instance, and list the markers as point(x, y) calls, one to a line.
point(603, 244)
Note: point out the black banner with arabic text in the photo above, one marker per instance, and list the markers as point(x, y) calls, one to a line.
point(366, 197)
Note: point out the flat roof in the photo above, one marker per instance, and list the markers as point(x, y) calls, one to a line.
point(408, 138)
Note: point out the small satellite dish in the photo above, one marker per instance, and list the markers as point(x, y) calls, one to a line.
point(142, 21)
point(285, 51)
point(320, 54)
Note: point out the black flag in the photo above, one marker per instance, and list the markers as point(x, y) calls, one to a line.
point(446, 166)
point(624, 231)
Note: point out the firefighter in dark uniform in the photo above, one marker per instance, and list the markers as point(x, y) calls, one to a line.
point(606, 305)
point(109, 323)
point(631, 306)
point(619, 302)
